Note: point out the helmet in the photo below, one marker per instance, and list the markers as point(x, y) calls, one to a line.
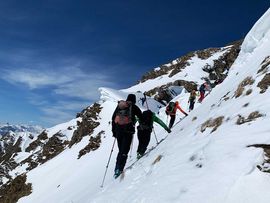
point(176, 102)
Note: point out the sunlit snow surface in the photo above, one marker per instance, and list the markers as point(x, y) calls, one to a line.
point(195, 166)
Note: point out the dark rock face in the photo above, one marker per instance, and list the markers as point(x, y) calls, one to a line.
point(217, 72)
point(13, 190)
point(264, 83)
point(38, 142)
point(7, 154)
point(264, 65)
point(50, 147)
point(212, 123)
point(94, 144)
point(264, 167)
point(251, 117)
point(241, 87)
point(88, 124)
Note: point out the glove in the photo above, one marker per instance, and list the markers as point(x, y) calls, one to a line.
point(169, 131)
point(186, 114)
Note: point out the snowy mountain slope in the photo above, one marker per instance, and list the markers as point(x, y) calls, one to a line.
point(204, 159)
point(13, 139)
point(209, 161)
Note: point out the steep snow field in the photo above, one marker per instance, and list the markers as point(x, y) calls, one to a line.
point(196, 163)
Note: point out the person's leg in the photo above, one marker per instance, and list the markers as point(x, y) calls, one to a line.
point(147, 137)
point(140, 138)
point(192, 105)
point(123, 153)
point(172, 121)
point(144, 141)
point(119, 138)
point(202, 96)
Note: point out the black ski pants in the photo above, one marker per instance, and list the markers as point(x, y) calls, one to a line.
point(124, 140)
point(171, 121)
point(191, 105)
point(144, 139)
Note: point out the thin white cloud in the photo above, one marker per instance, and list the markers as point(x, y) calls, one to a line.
point(86, 88)
point(69, 81)
point(58, 88)
point(34, 79)
point(53, 116)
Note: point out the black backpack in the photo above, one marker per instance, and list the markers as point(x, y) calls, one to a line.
point(146, 122)
point(170, 107)
point(123, 114)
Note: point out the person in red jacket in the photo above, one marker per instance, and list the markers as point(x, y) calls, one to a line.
point(171, 111)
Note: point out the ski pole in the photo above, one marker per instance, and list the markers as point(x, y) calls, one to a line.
point(146, 101)
point(155, 135)
point(130, 154)
point(108, 163)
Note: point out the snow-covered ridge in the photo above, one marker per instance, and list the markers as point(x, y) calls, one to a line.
point(5, 128)
point(205, 154)
point(189, 68)
point(258, 35)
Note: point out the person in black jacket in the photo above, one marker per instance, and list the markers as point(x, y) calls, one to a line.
point(144, 130)
point(123, 128)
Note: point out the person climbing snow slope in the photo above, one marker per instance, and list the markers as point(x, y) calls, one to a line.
point(202, 90)
point(192, 99)
point(123, 128)
point(145, 128)
point(171, 111)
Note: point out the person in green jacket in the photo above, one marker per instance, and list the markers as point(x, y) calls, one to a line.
point(145, 129)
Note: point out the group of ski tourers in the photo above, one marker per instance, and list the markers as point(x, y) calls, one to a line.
point(127, 113)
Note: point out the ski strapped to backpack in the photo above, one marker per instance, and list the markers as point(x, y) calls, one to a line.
point(123, 113)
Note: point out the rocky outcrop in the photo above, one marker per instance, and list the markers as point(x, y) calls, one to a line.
point(212, 123)
point(94, 144)
point(162, 93)
point(265, 166)
point(38, 142)
point(87, 125)
point(217, 72)
point(13, 190)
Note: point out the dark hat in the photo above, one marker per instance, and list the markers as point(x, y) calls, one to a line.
point(132, 98)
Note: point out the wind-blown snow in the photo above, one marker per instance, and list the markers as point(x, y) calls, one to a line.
point(195, 165)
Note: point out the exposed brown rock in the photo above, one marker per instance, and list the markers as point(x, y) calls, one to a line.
point(206, 53)
point(11, 150)
point(52, 148)
point(264, 83)
point(251, 117)
point(245, 105)
point(194, 118)
point(212, 123)
point(13, 190)
point(264, 65)
point(249, 92)
point(241, 87)
point(264, 167)
point(38, 142)
point(183, 62)
point(88, 123)
point(94, 144)
point(157, 159)
point(31, 161)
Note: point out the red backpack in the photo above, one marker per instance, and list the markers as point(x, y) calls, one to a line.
point(123, 114)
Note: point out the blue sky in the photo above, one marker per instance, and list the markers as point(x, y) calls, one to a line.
point(54, 54)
